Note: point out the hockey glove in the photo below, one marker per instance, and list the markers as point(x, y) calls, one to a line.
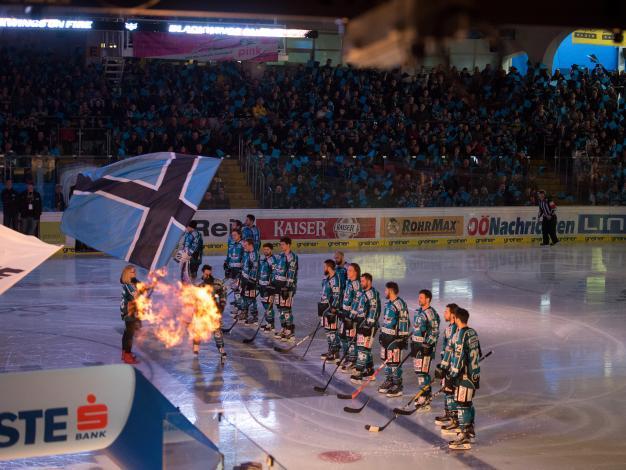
point(427, 349)
point(448, 385)
point(440, 373)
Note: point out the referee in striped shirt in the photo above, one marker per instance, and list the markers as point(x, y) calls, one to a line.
point(547, 215)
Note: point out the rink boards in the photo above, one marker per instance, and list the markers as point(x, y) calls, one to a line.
point(315, 230)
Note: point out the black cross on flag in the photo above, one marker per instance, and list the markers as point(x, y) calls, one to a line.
point(137, 209)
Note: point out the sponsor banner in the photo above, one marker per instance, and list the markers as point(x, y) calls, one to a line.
point(50, 232)
point(514, 225)
point(392, 227)
point(602, 224)
point(598, 37)
point(19, 255)
point(77, 410)
point(317, 228)
point(204, 48)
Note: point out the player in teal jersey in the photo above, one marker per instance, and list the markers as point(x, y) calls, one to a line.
point(332, 290)
point(367, 313)
point(347, 315)
point(463, 378)
point(444, 365)
point(267, 292)
point(394, 336)
point(423, 342)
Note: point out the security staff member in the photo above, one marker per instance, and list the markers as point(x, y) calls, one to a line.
point(547, 215)
point(10, 205)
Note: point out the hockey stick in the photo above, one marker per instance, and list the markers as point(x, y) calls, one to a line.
point(348, 409)
point(312, 338)
point(372, 428)
point(353, 395)
point(405, 412)
point(310, 343)
point(227, 330)
point(261, 323)
point(286, 350)
point(323, 389)
point(352, 342)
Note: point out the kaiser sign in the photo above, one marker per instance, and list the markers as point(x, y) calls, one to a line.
point(317, 228)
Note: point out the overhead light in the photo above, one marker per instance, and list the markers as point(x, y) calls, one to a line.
point(130, 26)
point(46, 23)
point(238, 31)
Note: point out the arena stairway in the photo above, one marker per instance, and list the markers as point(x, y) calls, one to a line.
point(235, 185)
point(548, 180)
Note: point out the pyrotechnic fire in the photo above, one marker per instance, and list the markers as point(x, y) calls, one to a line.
point(177, 310)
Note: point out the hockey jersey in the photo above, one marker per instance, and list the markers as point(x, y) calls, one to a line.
point(368, 307)
point(332, 290)
point(192, 243)
point(266, 267)
point(234, 257)
point(426, 327)
point(448, 334)
point(250, 268)
point(252, 232)
point(349, 300)
point(465, 355)
point(286, 273)
point(395, 320)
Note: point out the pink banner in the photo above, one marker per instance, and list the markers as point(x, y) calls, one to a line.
point(204, 48)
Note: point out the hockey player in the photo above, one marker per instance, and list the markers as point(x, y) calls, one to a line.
point(347, 315)
point(232, 267)
point(341, 267)
point(328, 308)
point(286, 281)
point(444, 365)
point(423, 342)
point(219, 293)
point(250, 230)
point(368, 311)
point(394, 336)
point(463, 378)
point(249, 281)
point(190, 255)
point(267, 292)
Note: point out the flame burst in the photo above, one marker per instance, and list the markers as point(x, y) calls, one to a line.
point(177, 310)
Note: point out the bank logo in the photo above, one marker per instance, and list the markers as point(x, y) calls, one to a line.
point(601, 223)
point(91, 422)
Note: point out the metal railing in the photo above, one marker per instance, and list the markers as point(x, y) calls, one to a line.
point(252, 168)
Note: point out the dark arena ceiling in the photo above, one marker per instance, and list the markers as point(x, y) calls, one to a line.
point(599, 13)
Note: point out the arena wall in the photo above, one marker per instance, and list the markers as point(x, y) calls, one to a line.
point(320, 230)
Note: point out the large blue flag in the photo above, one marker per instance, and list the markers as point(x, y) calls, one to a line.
point(137, 209)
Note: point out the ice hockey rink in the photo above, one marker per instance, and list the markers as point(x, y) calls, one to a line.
point(553, 394)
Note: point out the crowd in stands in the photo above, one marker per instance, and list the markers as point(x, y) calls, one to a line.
point(328, 136)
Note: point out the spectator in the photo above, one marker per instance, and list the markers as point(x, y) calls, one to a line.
point(30, 210)
point(10, 206)
point(59, 199)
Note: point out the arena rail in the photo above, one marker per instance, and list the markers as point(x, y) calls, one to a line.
point(315, 230)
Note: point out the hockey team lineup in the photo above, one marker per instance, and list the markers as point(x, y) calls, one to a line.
point(352, 315)
point(531, 382)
